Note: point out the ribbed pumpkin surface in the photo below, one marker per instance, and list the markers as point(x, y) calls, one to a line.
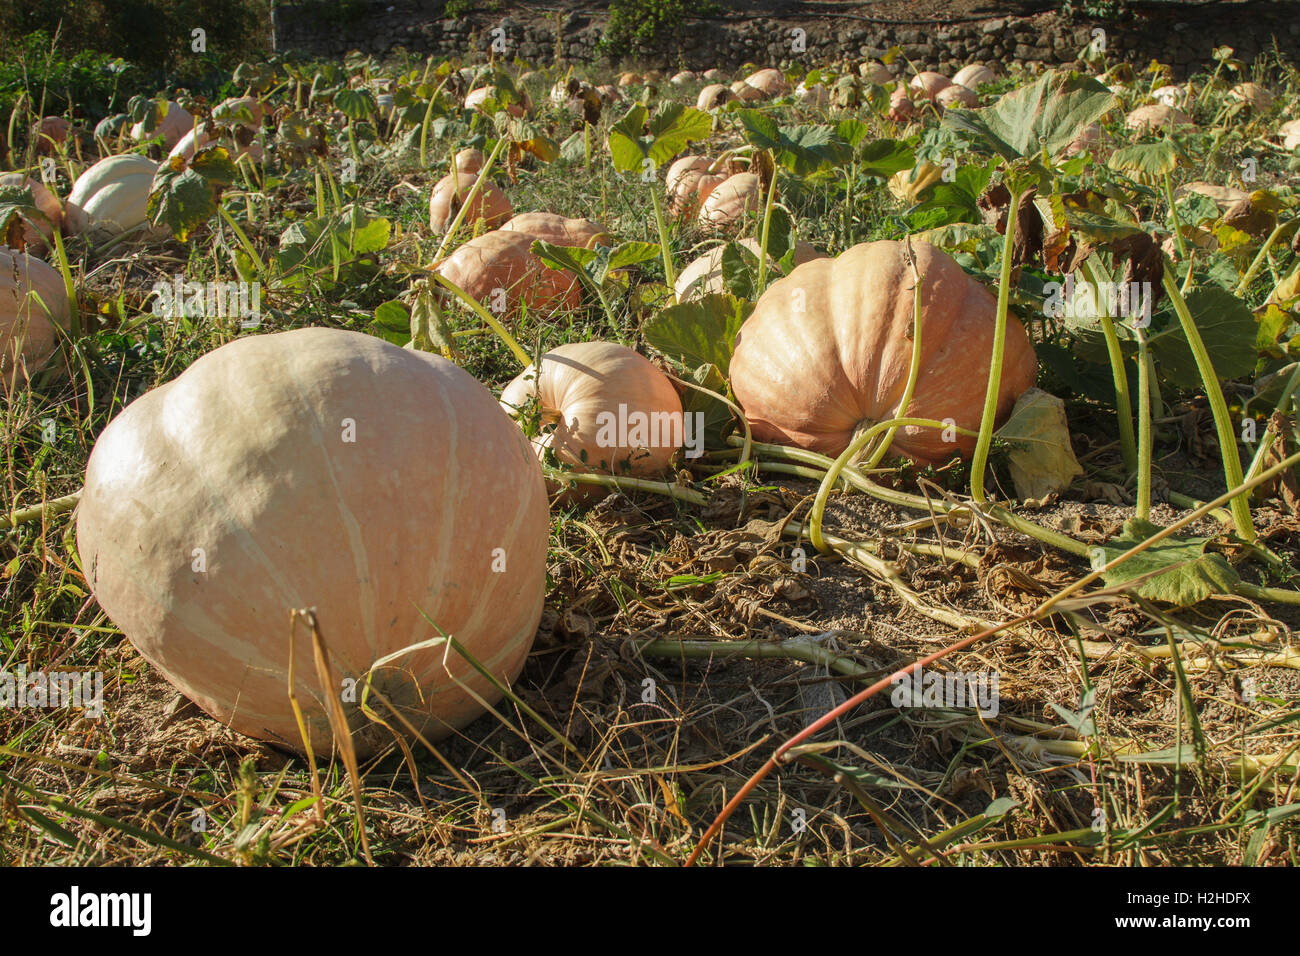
point(243, 464)
point(827, 349)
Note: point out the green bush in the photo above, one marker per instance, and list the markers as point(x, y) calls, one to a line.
point(635, 23)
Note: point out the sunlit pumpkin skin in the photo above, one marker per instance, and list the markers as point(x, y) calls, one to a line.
point(33, 301)
point(815, 95)
point(730, 201)
point(973, 76)
point(874, 72)
point(325, 469)
point(689, 183)
point(630, 79)
point(703, 276)
point(504, 260)
point(171, 129)
point(957, 95)
point(111, 196)
point(450, 193)
point(1172, 95)
point(1253, 95)
point(746, 93)
point(469, 161)
point(1290, 133)
point(37, 234)
point(557, 230)
point(929, 84)
point(580, 390)
point(901, 107)
point(1154, 116)
point(713, 96)
point(811, 378)
point(609, 94)
point(475, 99)
point(684, 78)
point(769, 82)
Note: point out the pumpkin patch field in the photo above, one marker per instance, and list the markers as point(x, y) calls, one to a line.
point(431, 462)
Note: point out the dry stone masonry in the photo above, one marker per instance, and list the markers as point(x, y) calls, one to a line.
point(1182, 36)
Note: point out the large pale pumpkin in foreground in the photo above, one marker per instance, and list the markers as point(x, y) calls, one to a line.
point(327, 469)
point(827, 349)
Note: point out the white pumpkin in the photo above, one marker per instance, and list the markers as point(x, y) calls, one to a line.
point(325, 469)
point(111, 196)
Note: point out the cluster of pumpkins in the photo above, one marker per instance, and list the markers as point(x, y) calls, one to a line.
point(109, 198)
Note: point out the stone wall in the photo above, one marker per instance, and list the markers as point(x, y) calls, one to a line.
point(1182, 36)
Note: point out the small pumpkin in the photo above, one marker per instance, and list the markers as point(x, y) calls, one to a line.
point(630, 79)
point(957, 95)
point(1154, 116)
point(732, 200)
point(451, 192)
point(609, 94)
point(714, 75)
point(559, 231)
point(815, 95)
point(929, 84)
point(713, 96)
point(469, 161)
point(1172, 95)
point(901, 107)
point(874, 72)
point(172, 128)
point(613, 412)
point(51, 133)
point(33, 306)
point(684, 78)
point(689, 183)
point(326, 469)
point(974, 75)
point(37, 234)
point(769, 82)
point(111, 196)
point(1253, 95)
point(827, 350)
point(499, 270)
point(1290, 133)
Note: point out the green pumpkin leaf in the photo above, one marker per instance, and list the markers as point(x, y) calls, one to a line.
point(184, 195)
point(1174, 571)
point(699, 333)
point(1039, 454)
point(1227, 327)
point(1046, 114)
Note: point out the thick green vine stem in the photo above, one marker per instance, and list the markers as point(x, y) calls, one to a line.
point(1123, 404)
point(491, 320)
point(665, 248)
point(763, 236)
point(1145, 437)
point(860, 442)
point(1240, 504)
point(980, 459)
point(913, 370)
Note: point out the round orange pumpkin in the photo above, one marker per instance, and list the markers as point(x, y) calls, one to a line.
point(557, 230)
point(499, 270)
point(450, 193)
point(689, 184)
point(929, 84)
point(729, 202)
point(33, 301)
point(827, 350)
point(613, 412)
point(320, 469)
